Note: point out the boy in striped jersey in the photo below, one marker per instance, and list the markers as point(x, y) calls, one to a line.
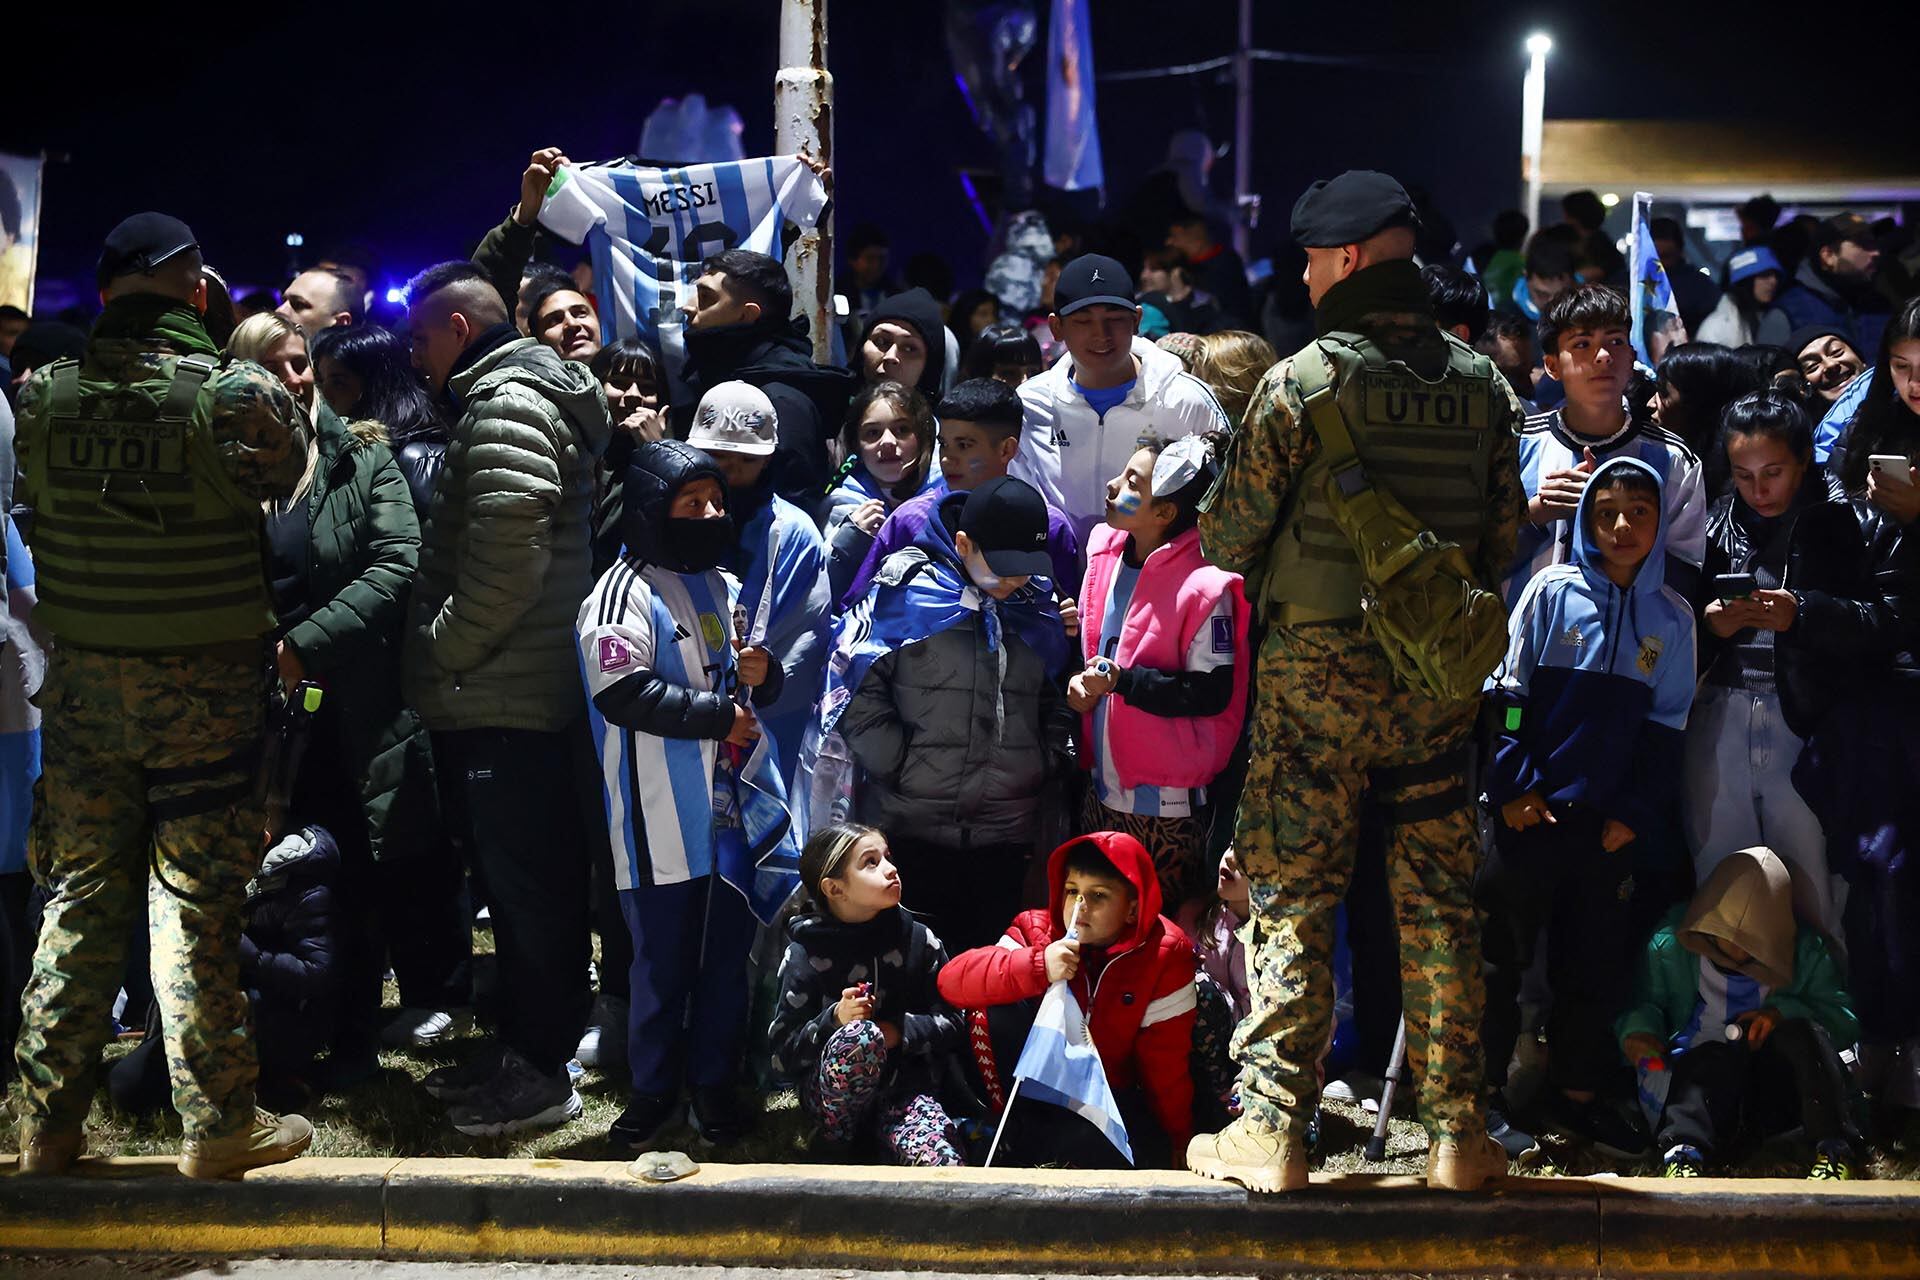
point(685, 791)
point(1586, 346)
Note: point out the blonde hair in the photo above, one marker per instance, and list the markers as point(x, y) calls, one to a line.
point(252, 339)
point(1232, 363)
point(260, 333)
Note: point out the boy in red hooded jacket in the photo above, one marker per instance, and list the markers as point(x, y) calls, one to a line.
point(1131, 970)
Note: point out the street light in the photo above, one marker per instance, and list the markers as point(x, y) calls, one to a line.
point(1533, 110)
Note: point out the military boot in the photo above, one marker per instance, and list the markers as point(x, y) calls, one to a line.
point(269, 1140)
point(1249, 1153)
point(47, 1150)
point(1455, 1164)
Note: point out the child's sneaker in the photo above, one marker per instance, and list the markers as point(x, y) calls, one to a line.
point(1522, 1148)
point(1833, 1162)
point(1681, 1162)
point(642, 1123)
point(1599, 1124)
point(716, 1115)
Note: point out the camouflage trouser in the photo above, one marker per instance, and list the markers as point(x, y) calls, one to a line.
point(1327, 721)
point(149, 762)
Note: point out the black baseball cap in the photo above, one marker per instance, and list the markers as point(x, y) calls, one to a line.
point(1092, 280)
point(1350, 208)
point(141, 243)
point(1006, 519)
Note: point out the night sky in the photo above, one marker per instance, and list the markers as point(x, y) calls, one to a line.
point(407, 129)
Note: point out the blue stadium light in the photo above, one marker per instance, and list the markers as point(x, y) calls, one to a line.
point(295, 239)
point(396, 295)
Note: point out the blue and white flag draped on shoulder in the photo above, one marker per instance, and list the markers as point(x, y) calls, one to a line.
point(649, 229)
point(1651, 290)
point(1060, 1065)
point(914, 595)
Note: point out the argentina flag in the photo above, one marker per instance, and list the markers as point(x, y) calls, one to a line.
point(1060, 1065)
point(648, 230)
point(1652, 292)
point(1073, 135)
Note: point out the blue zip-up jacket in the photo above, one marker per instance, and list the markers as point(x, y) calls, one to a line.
point(781, 540)
point(1594, 692)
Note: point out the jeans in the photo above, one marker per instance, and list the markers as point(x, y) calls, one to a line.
point(1739, 794)
point(510, 796)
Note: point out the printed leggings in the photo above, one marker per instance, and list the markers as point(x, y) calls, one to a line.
point(844, 1093)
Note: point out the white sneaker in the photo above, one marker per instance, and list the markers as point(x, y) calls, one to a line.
point(423, 1028)
point(605, 1042)
point(1355, 1087)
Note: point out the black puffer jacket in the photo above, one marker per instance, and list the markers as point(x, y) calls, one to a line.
point(289, 954)
point(902, 959)
point(809, 400)
point(1847, 625)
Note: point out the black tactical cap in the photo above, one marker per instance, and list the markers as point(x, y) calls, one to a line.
point(141, 243)
point(1092, 280)
point(1348, 209)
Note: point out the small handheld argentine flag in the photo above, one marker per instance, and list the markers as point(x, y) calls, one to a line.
point(1652, 292)
point(1061, 1065)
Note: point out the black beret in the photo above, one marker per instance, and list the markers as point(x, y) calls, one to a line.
point(1348, 209)
point(141, 243)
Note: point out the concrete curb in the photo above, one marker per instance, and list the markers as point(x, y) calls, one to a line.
point(967, 1219)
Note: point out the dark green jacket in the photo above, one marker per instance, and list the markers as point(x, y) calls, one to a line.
point(361, 559)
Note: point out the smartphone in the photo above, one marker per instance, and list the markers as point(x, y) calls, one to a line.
point(1891, 466)
point(1734, 586)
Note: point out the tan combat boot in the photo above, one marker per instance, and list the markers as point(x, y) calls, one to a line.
point(1249, 1153)
point(48, 1151)
point(271, 1140)
point(1464, 1165)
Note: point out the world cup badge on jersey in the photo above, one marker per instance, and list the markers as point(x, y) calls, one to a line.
point(1650, 648)
point(712, 631)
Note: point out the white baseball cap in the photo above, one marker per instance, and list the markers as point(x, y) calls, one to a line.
point(735, 417)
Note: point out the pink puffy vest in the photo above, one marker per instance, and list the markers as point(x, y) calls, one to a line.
point(1176, 592)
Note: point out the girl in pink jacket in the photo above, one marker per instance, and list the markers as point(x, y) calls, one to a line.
point(1164, 691)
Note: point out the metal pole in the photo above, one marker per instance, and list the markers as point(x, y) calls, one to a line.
point(1533, 110)
point(1243, 131)
point(803, 120)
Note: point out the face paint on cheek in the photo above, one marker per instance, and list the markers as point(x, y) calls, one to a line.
point(1127, 503)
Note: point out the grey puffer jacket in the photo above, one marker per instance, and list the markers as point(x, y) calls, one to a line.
point(504, 560)
point(923, 728)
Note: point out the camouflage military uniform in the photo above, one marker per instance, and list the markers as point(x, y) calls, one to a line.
point(148, 785)
point(1328, 721)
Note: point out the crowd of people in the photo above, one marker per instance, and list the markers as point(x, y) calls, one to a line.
point(851, 708)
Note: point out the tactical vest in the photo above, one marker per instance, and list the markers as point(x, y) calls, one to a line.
point(141, 542)
point(1429, 443)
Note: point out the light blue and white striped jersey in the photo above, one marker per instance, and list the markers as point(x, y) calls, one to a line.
point(640, 618)
point(649, 229)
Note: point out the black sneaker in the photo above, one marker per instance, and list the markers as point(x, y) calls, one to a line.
point(641, 1124)
point(1599, 1124)
point(1522, 1148)
point(519, 1097)
point(716, 1115)
point(453, 1083)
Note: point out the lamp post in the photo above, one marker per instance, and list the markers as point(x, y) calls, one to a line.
point(1533, 110)
point(1243, 132)
point(803, 120)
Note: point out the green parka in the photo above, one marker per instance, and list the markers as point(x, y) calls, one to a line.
point(361, 557)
